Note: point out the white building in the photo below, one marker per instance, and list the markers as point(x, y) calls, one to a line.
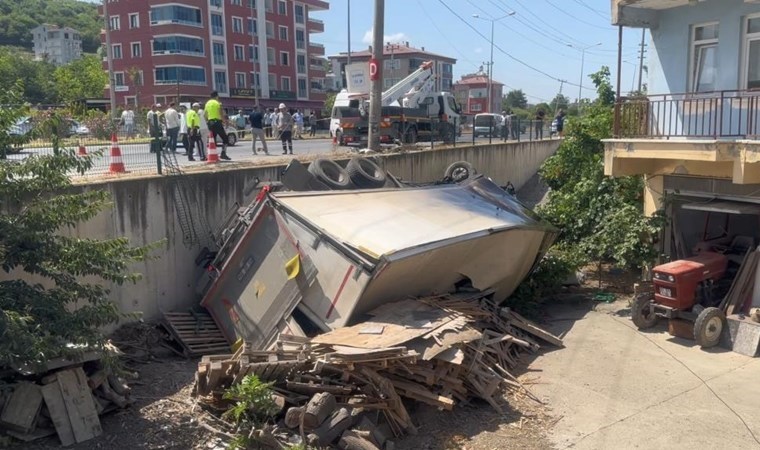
point(55, 44)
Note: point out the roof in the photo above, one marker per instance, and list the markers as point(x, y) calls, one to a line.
point(395, 50)
point(477, 79)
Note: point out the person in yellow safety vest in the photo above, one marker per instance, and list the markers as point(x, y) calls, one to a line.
point(193, 120)
point(214, 117)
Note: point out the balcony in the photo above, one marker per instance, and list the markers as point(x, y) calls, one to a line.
point(714, 134)
point(316, 49)
point(315, 26)
point(643, 13)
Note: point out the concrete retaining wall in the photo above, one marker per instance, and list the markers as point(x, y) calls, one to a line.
point(144, 211)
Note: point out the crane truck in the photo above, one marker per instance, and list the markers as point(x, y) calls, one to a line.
point(410, 110)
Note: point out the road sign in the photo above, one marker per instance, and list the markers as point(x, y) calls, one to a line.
point(373, 73)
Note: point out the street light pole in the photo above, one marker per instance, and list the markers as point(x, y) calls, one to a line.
point(109, 59)
point(490, 61)
point(583, 60)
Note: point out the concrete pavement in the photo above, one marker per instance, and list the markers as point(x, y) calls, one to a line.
point(614, 387)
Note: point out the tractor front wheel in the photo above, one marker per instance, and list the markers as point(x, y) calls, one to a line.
point(708, 327)
point(641, 313)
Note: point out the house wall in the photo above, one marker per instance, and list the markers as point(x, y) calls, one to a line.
point(144, 212)
point(670, 44)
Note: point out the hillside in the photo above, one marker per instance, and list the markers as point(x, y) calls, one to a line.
point(18, 17)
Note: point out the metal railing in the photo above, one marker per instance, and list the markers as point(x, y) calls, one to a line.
point(711, 115)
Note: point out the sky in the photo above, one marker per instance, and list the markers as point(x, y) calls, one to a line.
point(536, 35)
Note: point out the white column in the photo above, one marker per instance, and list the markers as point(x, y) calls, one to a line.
point(261, 27)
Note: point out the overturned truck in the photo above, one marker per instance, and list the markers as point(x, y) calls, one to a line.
point(319, 255)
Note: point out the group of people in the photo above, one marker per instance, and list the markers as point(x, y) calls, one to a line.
point(510, 126)
point(195, 126)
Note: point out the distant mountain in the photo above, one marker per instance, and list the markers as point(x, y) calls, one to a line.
point(18, 17)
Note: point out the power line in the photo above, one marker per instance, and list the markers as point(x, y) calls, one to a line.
point(542, 21)
point(595, 11)
point(548, 2)
point(508, 55)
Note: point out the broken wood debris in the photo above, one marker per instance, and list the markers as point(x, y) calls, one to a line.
point(439, 350)
point(195, 332)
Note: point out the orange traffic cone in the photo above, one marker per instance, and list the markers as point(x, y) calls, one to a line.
point(335, 139)
point(82, 151)
point(213, 156)
point(117, 165)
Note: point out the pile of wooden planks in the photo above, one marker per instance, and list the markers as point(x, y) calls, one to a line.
point(739, 296)
point(65, 401)
point(437, 350)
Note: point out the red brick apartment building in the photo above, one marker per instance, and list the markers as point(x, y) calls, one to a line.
point(166, 50)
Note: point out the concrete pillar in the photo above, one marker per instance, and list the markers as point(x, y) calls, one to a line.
point(654, 188)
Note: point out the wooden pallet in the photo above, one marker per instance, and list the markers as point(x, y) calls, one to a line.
point(196, 332)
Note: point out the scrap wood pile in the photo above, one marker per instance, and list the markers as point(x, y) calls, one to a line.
point(438, 350)
point(63, 397)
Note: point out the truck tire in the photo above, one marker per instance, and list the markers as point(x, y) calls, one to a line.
point(708, 327)
point(641, 313)
point(330, 173)
point(364, 173)
point(410, 137)
point(232, 139)
point(459, 171)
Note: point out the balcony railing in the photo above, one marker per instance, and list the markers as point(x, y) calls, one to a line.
point(712, 115)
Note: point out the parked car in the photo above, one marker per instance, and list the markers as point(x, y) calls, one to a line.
point(78, 129)
point(487, 125)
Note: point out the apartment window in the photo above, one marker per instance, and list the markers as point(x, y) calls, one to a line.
point(252, 4)
point(285, 81)
point(239, 53)
point(236, 2)
point(447, 68)
point(216, 3)
point(116, 51)
point(284, 58)
point(270, 56)
point(115, 22)
point(184, 45)
point(134, 20)
point(301, 63)
point(445, 84)
point(270, 30)
point(252, 28)
point(300, 16)
point(282, 8)
point(136, 77)
point(220, 82)
point(237, 24)
point(752, 53)
point(392, 64)
point(136, 50)
point(269, 6)
point(218, 52)
point(255, 80)
point(272, 81)
point(240, 79)
point(476, 107)
point(217, 25)
point(283, 33)
point(118, 78)
point(300, 39)
point(253, 53)
point(175, 14)
point(181, 74)
point(130, 100)
point(302, 92)
point(704, 57)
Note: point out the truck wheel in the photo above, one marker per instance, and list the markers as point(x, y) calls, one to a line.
point(330, 173)
point(364, 173)
point(232, 139)
point(641, 313)
point(459, 171)
point(708, 327)
point(410, 137)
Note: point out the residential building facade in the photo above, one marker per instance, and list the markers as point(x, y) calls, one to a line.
point(471, 93)
point(399, 60)
point(247, 50)
point(55, 44)
point(695, 136)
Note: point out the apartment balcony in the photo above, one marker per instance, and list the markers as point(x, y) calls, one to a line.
point(715, 134)
point(316, 49)
point(317, 5)
point(315, 26)
point(644, 13)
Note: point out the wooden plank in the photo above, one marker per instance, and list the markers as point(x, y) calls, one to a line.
point(39, 433)
point(57, 410)
point(79, 404)
point(21, 409)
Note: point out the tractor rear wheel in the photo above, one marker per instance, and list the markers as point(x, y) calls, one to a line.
point(708, 327)
point(641, 314)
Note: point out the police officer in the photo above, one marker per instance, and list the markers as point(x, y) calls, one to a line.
point(214, 116)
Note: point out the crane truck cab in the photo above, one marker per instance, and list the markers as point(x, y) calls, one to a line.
point(346, 105)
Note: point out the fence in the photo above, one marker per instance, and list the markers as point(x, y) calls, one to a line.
point(517, 130)
point(712, 115)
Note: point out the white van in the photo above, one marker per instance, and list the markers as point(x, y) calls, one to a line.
point(346, 105)
point(487, 125)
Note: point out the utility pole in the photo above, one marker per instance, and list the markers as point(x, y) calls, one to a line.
point(109, 59)
point(376, 80)
point(348, 21)
point(641, 57)
point(253, 55)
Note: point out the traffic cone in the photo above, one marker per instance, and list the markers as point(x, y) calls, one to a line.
point(117, 165)
point(213, 156)
point(82, 151)
point(335, 139)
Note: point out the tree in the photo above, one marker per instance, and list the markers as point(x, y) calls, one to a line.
point(37, 75)
point(329, 102)
point(83, 78)
point(515, 99)
point(64, 313)
point(559, 102)
point(19, 17)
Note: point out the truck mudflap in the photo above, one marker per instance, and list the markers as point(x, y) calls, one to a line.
point(253, 295)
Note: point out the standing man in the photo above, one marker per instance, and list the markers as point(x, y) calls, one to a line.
point(298, 119)
point(183, 127)
point(204, 125)
point(128, 120)
point(154, 128)
point(560, 123)
point(193, 124)
point(172, 127)
point(504, 126)
point(312, 124)
point(239, 121)
point(268, 123)
point(284, 124)
point(215, 118)
point(257, 129)
point(540, 124)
